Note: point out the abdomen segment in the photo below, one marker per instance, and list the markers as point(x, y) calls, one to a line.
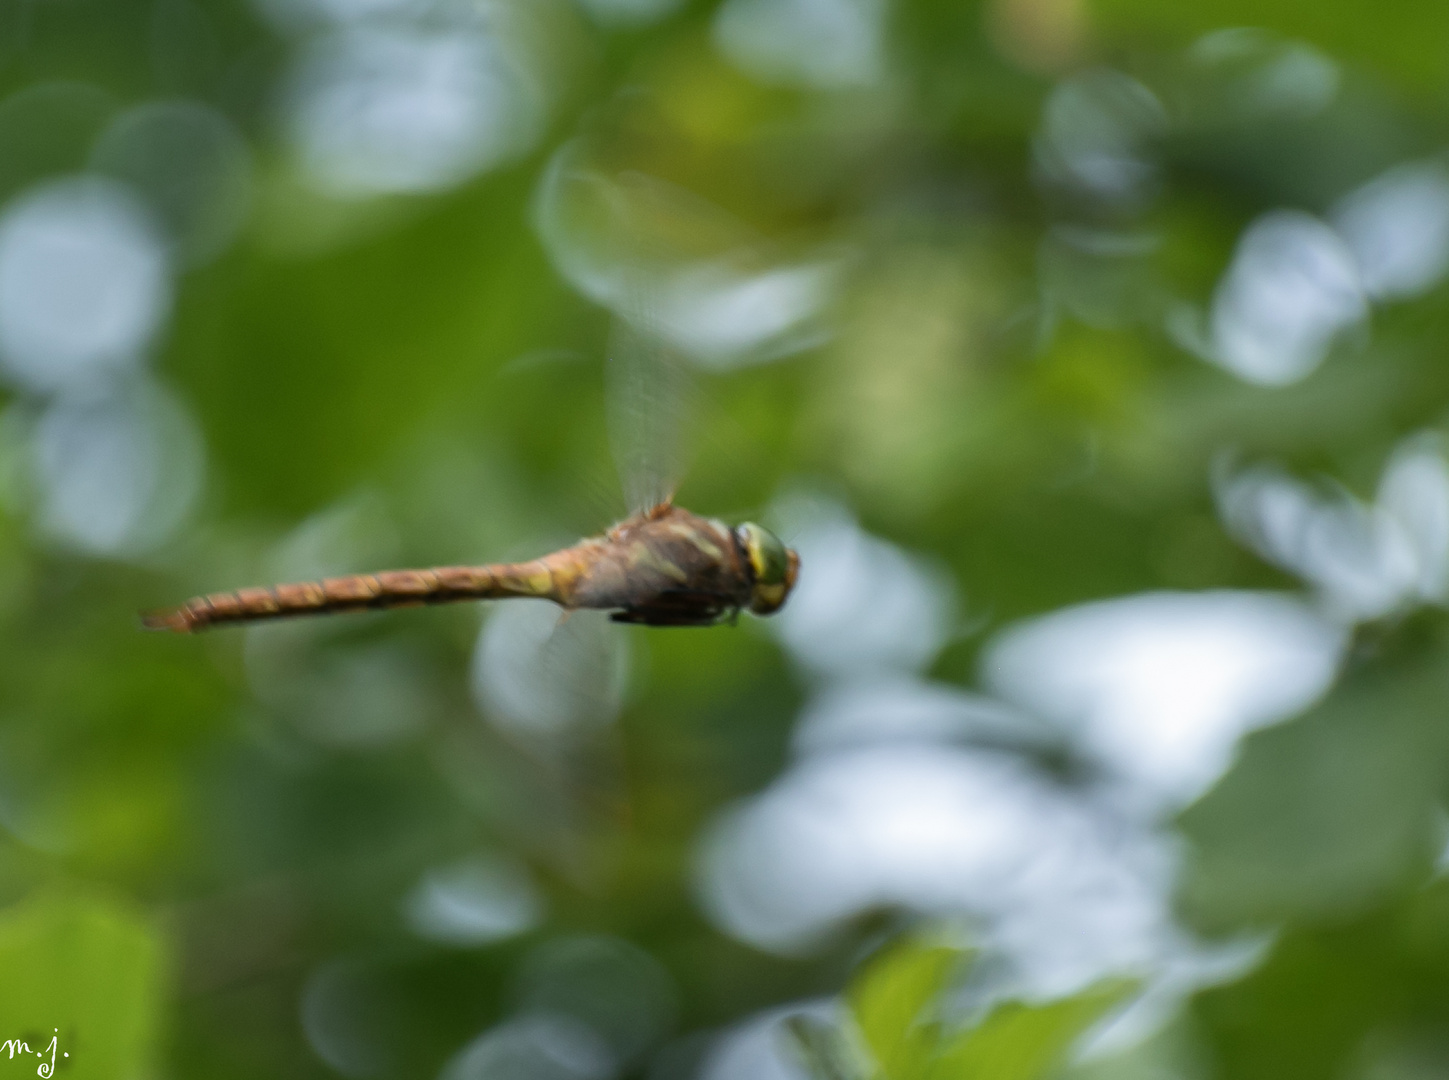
point(358, 592)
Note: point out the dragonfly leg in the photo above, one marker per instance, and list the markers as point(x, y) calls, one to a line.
point(679, 608)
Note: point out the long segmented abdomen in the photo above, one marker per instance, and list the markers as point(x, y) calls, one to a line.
point(358, 592)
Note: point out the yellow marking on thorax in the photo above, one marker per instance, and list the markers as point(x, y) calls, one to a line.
point(643, 556)
point(699, 540)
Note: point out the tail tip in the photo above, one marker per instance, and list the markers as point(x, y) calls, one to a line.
point(175, 620)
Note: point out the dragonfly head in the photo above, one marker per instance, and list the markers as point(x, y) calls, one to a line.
point(773, 566)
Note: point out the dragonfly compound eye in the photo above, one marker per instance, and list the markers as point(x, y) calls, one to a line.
point(773, 565)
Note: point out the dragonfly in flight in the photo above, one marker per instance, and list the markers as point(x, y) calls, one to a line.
point(661, 566)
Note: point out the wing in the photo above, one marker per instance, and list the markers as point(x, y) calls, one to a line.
point(542, 676)
point(650, 394)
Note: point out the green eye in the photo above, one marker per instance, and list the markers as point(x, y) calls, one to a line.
point(767, 555)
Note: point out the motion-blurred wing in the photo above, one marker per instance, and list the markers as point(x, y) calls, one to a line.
point(540, 676)
point(650, 402)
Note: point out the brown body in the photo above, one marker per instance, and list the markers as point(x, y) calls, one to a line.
point(665, 567)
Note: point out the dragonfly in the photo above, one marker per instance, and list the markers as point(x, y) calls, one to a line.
point(660, 566)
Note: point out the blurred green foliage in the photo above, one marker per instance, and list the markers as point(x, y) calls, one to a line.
point(198, 848)
point(895, 1010)
point(91, 965)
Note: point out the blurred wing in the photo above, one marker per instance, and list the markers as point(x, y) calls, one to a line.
point(554, 686)
point(542, 677)
point(650, 401)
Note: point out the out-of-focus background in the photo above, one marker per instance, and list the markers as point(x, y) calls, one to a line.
point(1093, 353)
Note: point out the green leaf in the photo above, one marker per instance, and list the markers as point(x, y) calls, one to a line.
point(1022, 1042)
point(890, 1000)
point(84, 973)
point(1325, 815)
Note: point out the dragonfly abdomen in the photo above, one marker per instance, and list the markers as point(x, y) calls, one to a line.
point(358, 592)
